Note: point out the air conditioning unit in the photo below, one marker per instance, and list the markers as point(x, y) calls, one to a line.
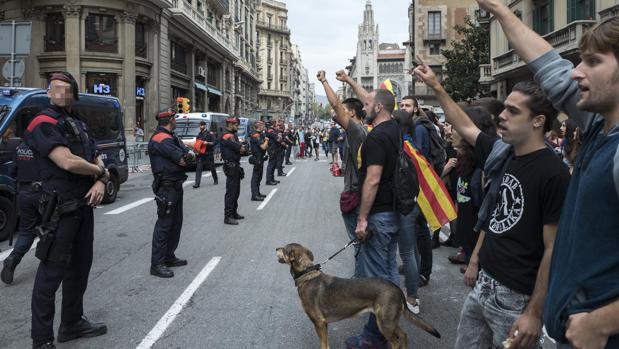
point(201, 72)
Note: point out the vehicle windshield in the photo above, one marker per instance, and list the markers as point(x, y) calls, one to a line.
point(4, 110)
point(187, 129)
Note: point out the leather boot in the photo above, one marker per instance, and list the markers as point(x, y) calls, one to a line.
point(161, 271)
point(230, 221)
point(79, 329)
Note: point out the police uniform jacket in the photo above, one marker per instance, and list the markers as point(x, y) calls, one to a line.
point(27, 169)
point(256, 140)
point(57, 127)
point(165, 151)
point(230, 147)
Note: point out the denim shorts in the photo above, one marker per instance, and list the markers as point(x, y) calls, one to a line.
point(488, 313)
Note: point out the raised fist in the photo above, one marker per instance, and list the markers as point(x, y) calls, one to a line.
point(341, 75)
point(321, 75)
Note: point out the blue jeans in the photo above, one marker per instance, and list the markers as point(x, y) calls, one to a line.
point(350, 221)
point(424, 246)
point(407, 244)
point(377, 258)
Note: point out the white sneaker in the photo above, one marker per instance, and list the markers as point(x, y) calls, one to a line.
point(414, 308)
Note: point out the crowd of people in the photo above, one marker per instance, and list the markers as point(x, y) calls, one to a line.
point(529, 176)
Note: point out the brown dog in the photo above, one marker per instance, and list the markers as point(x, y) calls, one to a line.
point(328, 299)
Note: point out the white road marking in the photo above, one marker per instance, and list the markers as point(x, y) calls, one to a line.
point(130, 206)
point(188, 183)
point(153, 336)
point(290, 172)
point(6, 253)
point(266, 201)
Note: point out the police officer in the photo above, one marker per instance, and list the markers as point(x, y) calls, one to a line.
point(231, 151)
point(259, 144)
point(282, 148)
point(273, 152)
point(29, 193)
point(74, 181)
point(168, 160)
point(289, 136)
point(207, 159)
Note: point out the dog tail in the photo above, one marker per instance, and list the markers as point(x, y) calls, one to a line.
point(420, 322)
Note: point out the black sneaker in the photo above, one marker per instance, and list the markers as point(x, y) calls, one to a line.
point(423, 281)
point(46, 345)
point(79, 329)
point(8, 269)
point(238, 216)
point(161, 271)
point(257, 198)
point(230, 221)
point(271, 183)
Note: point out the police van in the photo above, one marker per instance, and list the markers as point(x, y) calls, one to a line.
point(104, 118)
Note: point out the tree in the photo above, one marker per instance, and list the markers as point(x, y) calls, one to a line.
point(463, 60)
point(322, 112)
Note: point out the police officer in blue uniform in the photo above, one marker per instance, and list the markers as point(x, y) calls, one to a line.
point(231, 151)
point(282, 148)
point(272, 150)
point(168, 160)
point(74, 181)
point(259, 144)
point(29, 188)
point(205, 160)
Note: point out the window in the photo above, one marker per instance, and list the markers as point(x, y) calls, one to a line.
point(54, 32)
point(435, 48)
point(212, 72)
point(140, 40)
point(543, 18)
point(101, 116)
point(102, 84)
point(179, 59)
point(101, 33)
point(580, 10)
point(269, 20)
point(434, 24)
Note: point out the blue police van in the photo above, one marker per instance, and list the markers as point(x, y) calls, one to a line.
point(104, 118)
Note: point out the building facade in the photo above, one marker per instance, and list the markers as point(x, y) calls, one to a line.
point(146, 53)
point(561, 22)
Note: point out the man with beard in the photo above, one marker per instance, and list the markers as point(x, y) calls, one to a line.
point(582, 307)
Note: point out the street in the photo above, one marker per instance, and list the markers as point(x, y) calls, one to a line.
point(247, 299)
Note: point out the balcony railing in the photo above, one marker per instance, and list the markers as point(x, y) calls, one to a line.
point(283, 77)
point(221, 6)
point(276, 93)
point(435, 36)
point(564, 40)
point(53, 45)
point(485, 73)
point(278, 28)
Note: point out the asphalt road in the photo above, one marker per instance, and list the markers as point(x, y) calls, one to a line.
point(247, 299)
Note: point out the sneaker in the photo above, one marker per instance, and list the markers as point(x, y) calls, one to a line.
point(362, 342)
point(423, 281)
point(414, 308)
point(46, 345)
point(458, 258)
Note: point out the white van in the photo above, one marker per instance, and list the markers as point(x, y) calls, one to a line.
point(188, 127)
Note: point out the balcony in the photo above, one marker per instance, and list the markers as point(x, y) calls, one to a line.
point(197, 23)
point(435, 37)
point(485, 73)
point(422, 91)
point(564, 40)
point(275, 93)
point(283, 77)
point(220, 6)
point(272, 27)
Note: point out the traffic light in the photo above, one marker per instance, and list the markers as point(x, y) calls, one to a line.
point(186, 106)
point(179, 105)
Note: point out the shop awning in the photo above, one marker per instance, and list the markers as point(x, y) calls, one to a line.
point(200, 86)
point(214, 91)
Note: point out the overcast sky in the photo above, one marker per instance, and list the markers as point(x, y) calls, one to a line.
point(326, 30)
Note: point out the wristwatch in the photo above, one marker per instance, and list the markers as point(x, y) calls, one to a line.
point(104, 176)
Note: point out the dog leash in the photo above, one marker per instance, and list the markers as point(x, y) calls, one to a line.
point(351, 242)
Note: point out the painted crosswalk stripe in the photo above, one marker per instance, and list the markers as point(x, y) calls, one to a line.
point(290, 172)
point(153, 336)
point(266, 201)
point(130, 206)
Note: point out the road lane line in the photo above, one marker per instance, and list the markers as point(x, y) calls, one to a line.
point(6, 253)
point(188, 183)
point(130, 206)
point(290, 172)
point(266, 200)
point(153, 336)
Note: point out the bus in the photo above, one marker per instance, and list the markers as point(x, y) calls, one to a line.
point(104, 118)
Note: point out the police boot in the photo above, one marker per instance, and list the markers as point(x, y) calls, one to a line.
point(175, 262)
point(231, 221)
point(9, 268)
point(282, 174)
point(271, 182)
point(46, 345)
point(262, 196)
point(237, 216)
point(81, 328)
point(257, 198)
point(161, 271)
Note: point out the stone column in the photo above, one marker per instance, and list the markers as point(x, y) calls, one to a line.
point(192, 78)
point(128, 76)
point(32, 76)
point(73, 40)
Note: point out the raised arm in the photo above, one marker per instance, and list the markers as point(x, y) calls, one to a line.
point(453, 113)
point(361, 93)
point(340, 113)
point(528, 44)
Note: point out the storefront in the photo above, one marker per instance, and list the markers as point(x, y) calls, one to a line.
point(140, 94)
point(102, 84)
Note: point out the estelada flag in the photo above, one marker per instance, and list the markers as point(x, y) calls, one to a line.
point(387, 85)
point(434, 200)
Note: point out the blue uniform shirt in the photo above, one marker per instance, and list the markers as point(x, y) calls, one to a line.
point(166, 151)
point(27, 167)
point(230, 147)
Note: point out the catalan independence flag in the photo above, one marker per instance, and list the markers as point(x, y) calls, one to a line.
point(434, 200)
point(387, 85)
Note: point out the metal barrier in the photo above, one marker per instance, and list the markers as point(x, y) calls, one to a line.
point(137, 157)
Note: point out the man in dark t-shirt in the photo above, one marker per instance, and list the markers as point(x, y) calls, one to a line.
point(525, 188)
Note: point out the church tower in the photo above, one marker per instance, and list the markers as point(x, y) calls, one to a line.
point(367, 50)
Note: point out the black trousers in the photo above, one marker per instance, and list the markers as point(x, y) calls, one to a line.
point(273, 159)
point(205, 162)
point(167, 233)
point(256, 178)
point(288, 152)
point(233, 190)
point(29, 218)
point(74, 238)
point(280, 161)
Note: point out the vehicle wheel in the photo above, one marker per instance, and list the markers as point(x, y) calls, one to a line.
point(111, 190)
point(8, 218)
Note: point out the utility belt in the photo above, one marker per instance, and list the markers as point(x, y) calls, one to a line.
point(51, 209)
point(159, 182)
point(233, 168)
point(258, 159)
point(30, 186)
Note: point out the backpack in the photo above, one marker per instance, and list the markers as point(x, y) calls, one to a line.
point(405, 182)
point(438, 155)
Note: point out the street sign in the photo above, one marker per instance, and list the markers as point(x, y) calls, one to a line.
point(15, 38)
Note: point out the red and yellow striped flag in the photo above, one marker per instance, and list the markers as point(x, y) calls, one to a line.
point(388, 85)
point(434, 200)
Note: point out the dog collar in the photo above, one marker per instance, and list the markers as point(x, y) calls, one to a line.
point(305, 274)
